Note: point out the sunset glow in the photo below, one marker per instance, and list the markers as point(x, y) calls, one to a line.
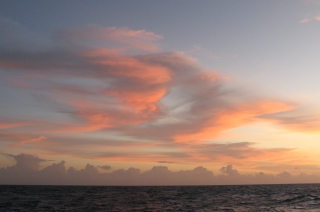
point(229, 88)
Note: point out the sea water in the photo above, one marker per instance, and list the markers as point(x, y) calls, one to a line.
point(295, 197)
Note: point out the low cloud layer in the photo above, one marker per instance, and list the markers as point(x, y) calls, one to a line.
point(27, 172)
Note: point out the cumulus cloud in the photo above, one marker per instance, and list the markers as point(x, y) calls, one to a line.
point(229, 170)
point(26, 161)
point(56, 174)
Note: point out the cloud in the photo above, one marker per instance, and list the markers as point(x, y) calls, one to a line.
point(26, 161)
point(140, 88)
point(164, 161)
point(16, 139)
point(229, 170)
point(237, 151)
point(89, 83)
point(105, 167)
point(169, 153)
point(305, 20)
point(123, 38)
point(310, 18)
point(57, 174)
point(7, 125)
point(297, 120)
point(40, 138)
point(284, 174)
point(317, 17)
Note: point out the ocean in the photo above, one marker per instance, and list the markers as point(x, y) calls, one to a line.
point(294, 197)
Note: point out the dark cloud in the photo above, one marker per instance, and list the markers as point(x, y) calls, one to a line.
point(26, 161)
point(105, 167)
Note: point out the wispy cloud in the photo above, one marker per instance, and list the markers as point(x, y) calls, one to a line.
point(37, 139)
point(305, 20)
point(123, 38)
point(310, 18)
point(297, 120)
point(201, 51)
point(161, 99)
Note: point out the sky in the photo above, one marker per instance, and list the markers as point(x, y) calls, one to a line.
point(159, 92)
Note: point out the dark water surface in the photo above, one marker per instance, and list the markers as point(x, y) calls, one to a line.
point(299, 197)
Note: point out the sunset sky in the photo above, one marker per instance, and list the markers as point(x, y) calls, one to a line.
point(175, 84)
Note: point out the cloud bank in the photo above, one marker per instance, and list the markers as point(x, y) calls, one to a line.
point(26, 171)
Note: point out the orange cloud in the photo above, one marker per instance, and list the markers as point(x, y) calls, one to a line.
point(31, 140)
point(165, 99)
point(7, 125)
point(228, 118)
point(140, 101)
point(124, 66)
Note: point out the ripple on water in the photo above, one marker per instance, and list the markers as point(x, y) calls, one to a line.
point(161, 198)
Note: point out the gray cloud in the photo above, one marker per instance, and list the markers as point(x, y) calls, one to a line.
point(105, 167)
point(238, 150)
point(141, 88)
point(164, 99)
point(56, 174)
point(298, 119)
point(26, 161)
point(229, 170)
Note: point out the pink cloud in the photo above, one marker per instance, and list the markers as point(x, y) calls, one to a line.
point(124, 37)
point(7, 125)
point(163, 98)
point(317, 17)
point(309, 18)
point(305, 20)
point(30, 140)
